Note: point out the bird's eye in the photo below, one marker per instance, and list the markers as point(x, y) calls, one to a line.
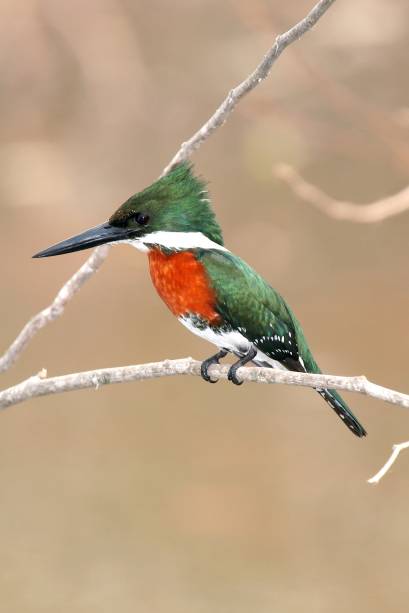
point(140, 218)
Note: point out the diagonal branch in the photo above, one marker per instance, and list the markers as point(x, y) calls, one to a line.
point(337, 209)
point(41, 385)
point(216, 120)
point(255, 78)
point(396, 449)
point(56, 308)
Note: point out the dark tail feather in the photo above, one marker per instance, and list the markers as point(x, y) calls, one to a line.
point(332, 397)
point(341, 409)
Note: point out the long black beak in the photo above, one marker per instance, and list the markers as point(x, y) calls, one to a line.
point(104, 233)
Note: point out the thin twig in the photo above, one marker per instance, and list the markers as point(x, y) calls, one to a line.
point(342, 210)
point(40, 385)
point(218, 118)
point(396, 449)
point(56, 308)
point(253, 80)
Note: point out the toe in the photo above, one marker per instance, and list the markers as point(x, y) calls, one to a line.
point(232, 376)
point(205, 375)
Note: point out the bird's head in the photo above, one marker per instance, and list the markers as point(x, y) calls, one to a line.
point(173, 213)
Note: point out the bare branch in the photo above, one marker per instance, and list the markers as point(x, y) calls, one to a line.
point(56, 308)
point(396, 449)
point(40, 385)
point(341, 210)
point(218, 118)
point(255, 78)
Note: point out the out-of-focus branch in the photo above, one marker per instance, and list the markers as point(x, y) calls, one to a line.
point(41, 385)
point(255, 78)
point(385, 127)
point(338, 209)
point(56, 308)
point(216, 120)
point(396, 449)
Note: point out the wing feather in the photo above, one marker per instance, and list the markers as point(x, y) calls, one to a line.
point(250, 305)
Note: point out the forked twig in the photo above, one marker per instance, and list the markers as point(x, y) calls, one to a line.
point(396, 449)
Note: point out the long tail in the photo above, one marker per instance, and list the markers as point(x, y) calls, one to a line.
point(342, 410)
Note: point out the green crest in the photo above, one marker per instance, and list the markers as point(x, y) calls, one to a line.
point(178, 202)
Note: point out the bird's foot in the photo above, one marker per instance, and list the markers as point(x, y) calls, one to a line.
point(214, 359)
point(232, 374)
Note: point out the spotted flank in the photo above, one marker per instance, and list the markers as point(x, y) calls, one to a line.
point(280, 346)
point(341, 409)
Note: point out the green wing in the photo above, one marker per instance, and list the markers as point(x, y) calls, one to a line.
point(251, 306)
point(248, 304)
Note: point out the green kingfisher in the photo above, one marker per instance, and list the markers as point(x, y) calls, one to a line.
point(212, 292)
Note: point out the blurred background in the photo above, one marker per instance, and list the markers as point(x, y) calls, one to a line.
point(173, 495)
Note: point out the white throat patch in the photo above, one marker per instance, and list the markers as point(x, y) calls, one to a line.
point(175, 240)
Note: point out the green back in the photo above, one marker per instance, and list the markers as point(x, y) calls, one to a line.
point(249, 304)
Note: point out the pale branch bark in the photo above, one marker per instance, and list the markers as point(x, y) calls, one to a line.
point(342, 210)
point(41, 385)
point(253, 80)
point(216, 120)
point(396, 449)
point(56, 308)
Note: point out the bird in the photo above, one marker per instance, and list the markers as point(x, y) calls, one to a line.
point(213, 293)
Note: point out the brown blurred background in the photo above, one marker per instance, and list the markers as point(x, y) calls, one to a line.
point(174, 495)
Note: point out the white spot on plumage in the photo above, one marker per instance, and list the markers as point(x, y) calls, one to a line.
point(233, 341)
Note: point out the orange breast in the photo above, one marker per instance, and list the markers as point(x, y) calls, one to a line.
point(181, 282)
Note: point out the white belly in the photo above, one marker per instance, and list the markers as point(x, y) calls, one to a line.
point(233, 341)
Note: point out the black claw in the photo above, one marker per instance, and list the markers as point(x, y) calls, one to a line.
point(214, 359)
point(205, 375)
point(232, 374)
